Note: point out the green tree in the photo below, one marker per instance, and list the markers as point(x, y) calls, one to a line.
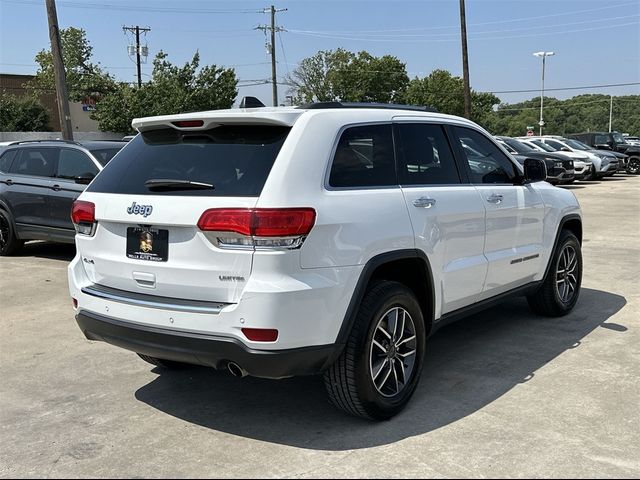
point(340, 75)
point(84, 78)
point(582, 113)
point(172, 89)
point(445, 92)
point(22, 114)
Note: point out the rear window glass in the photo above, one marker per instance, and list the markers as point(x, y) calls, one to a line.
point(236, 160)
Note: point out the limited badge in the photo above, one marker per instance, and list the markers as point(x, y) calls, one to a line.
point(146, 242)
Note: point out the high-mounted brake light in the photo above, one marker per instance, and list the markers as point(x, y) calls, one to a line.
point(83, 216)
point(188, 123)
point(260, 227)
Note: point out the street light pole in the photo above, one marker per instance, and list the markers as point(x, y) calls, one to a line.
point(544, 56)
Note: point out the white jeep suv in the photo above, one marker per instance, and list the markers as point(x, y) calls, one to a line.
point(325, 239)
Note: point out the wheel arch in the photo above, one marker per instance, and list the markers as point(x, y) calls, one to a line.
point(410, 267)
point(572, 223)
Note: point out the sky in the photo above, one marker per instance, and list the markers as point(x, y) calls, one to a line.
point(596, 42)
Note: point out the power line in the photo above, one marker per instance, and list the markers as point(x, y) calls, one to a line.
point(570, 88)
point(133, 8)
point(441, 40)
point(487, 32)
point(560, 105)
point(495, 22)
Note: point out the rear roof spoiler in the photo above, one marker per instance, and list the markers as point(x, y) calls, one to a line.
point(214, 118)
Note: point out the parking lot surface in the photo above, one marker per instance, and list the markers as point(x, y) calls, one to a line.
point(503, 393)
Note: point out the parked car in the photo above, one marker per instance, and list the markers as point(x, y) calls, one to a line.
point(621, 158)
point(612, 141)
point(632, 140)
point(324, 239)
point(39, 180)
point(559, 168)
point(603, 165)
point(583, 168)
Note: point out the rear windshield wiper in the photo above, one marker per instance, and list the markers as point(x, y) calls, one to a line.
point(163, 184)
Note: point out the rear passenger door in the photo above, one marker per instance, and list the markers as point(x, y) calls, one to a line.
point(448, 216)
point(515, 213)
point(72, 163)
point(29, 185)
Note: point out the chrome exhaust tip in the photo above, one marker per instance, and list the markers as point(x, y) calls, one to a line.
point(236, 370)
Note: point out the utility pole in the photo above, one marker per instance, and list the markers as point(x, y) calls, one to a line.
point(137, 31)
point(59, 72)
point(610, 112)
point(465, 62)
point(272, 47)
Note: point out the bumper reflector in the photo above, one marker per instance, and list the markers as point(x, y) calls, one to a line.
point(261, 334)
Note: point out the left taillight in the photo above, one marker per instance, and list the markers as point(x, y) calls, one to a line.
point(83, 216)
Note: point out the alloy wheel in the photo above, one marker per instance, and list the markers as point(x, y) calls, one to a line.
point(392, 354)
point(567, 275)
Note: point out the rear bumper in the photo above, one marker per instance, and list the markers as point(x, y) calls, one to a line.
point(208, 350)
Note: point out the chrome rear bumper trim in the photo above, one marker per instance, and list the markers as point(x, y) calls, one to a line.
point(153, 301)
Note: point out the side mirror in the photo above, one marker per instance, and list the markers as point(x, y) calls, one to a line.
point(535, 170)
point(565, 149)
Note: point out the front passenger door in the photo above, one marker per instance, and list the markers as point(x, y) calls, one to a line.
point(515, 213)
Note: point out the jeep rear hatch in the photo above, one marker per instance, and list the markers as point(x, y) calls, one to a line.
point(149, 199)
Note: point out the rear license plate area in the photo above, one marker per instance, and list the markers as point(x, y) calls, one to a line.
point(145, 243)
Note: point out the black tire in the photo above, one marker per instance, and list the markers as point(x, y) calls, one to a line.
point(9, 242)
point(551, 299)
point(350, 381)
point(633, 167)
point(159, 362)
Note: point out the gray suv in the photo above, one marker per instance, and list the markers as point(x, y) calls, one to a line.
point(39, 181)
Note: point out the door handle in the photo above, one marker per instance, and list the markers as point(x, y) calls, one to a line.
point(424, 202)
point(495, 198)
point(56, 188)
point(9, 182)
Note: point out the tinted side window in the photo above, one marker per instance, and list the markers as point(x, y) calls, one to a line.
point(73, 163)
point(364, 158)
point(6, 159)
point(37, 162)
point(487, 164)
point(552, 143)
point(424, 155)
point(601, 139)
point(103, 155)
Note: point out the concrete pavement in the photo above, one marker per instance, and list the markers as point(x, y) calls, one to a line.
point(504, 393)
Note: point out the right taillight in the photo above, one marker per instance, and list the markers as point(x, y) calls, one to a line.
point(258, 228)
point(83, 215)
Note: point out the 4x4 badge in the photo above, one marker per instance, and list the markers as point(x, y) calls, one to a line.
point(144, 210)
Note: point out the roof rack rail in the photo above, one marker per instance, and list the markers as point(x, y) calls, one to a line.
point(20, 142)
point(388, 106)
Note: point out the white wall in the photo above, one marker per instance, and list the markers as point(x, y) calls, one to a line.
point(78, 136)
